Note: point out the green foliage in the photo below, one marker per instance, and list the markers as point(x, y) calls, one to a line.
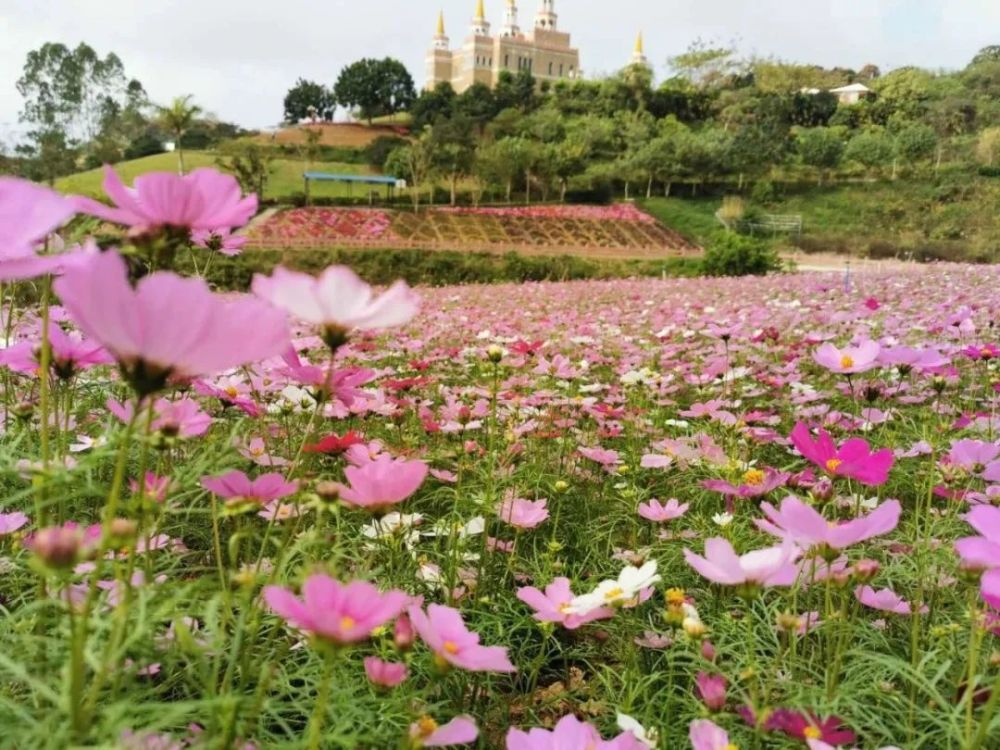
point(435, 267)
point(820, 148)
point(378, 151)
point(730, 254)
point(251, 164)
point(375, 87)
point(307, 99)
point(872, 149)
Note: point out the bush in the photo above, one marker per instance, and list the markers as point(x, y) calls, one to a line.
point(735, 255)
point(431, 267)
point(377, 152)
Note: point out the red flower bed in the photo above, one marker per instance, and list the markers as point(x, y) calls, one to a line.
point(615, 212)
point(305, 224)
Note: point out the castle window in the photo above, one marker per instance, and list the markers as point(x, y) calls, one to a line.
point(506, 61)
point(560, 70)
point(550, 68)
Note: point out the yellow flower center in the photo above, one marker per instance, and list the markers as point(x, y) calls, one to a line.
point(232, 392)
point(731, 746)
point(451, 647)
point(347, 623)
point(564, 608)
point(426, 726)
point(675, 597)
point(812, 733)
point(846, 362)
point(753, 477)
point(612, 594)
point(833, 464)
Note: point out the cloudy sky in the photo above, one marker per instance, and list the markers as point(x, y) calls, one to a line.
point(238, 57)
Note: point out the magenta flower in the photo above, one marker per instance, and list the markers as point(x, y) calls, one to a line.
point(28, 214)
point(766, 567)
point(799, 523)
point(167, 326)
point(336, 612)
point(711, 690)
point(523, 514)
point(11, 522)
point(238, 487)
point(554, 605)
point(854, 459)
point(570, 734)
point(658, 512)
point(445, 633)
point(885, 600)
point(459, 731)
point(804, 726)
point(756, 482)
point(205, 199)
point(707, 735)
point(384, 673)
point(382, 482)
point(338, 300)
point(848, 361)
point(70, 354)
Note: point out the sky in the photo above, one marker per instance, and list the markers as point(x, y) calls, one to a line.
point(239, 57)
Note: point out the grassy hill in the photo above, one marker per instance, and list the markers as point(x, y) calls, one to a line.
point(285, 182)
point(947, 218)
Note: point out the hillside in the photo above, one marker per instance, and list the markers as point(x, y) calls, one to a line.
point(338, 135)
point(285, 182)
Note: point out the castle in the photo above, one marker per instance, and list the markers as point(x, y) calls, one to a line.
point(545, 51)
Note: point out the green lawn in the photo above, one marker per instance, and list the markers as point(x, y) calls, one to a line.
point(286, 175)
point(692, 217)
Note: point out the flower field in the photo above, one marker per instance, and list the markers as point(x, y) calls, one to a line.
point(606, 515)
point(618, 230)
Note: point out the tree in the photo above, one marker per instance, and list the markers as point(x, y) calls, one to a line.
point(375, 87)
point(820, 148)
point(306, 97)
point(415, 162)
point(478, 104)
point(871, 150)
point(432, 105)
point(705, 65)
point(515, 91)
point(453, 150)
point(916, 142)
point(988, 147)
point(989, 54)
point(250, 163)
point(703, 155)
point(177, 118)
point(501, 162)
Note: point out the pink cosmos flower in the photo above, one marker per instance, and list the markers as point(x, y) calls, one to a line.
point(181, 418)
point(707, 735)
point(756, 482)
point(766, 567)
point(658, 512)
point(799, 523)
point(981, 552)
point(337, 300)
point(885, 600)
point(70, 354)
point(153, 489)
point(237, 486)
point(553, 605)
point(570, 734)
point(222, 241)
point(168, 325)
point(990, 588)
point(711, 690)
point(444, 632)
point(974, 455)
point(803, 725)
point(11, 522)
point(334, 611)
point(606, 458)
point(853, 459)
point(848, 361)
point(384, 673)
point(382, 482)
point(523, 514)
point(459, 731)
point(28, 214)
point(203, 200)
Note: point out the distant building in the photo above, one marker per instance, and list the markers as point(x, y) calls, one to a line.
point(545, 52)
point(851, 94)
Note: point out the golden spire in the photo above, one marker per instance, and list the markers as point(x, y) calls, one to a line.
point(440, 29)
point(638, 45)
point(480, 11)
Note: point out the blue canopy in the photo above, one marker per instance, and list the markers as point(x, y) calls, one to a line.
point(365, 179)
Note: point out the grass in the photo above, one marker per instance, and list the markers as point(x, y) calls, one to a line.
point(284, 185)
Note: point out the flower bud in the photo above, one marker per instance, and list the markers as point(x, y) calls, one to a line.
point(495, 353)
point(865, 570)
point(708, 651)
point(403, 634)
point(58, 546)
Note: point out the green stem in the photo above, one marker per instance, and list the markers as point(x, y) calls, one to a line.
point(322, 698)
point(987, 718)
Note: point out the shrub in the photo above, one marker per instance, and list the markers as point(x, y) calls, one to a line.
point(735, 255)
point(377, 152)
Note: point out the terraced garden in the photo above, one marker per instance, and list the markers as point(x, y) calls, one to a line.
point(619, 230)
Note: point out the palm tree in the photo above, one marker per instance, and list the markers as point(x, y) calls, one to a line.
point(178, 119)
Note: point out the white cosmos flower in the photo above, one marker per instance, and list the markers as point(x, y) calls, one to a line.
point(723, 519)
point(626, 588)
point(648, 737)
point(390, 524)
point(444, 527)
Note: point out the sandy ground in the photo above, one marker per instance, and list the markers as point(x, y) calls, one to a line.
point(830, 262)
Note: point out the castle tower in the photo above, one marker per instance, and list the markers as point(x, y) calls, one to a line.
point(639, 54)
point(547, 18)
point(510, 27)
point(440, 58)
point(480, 26)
